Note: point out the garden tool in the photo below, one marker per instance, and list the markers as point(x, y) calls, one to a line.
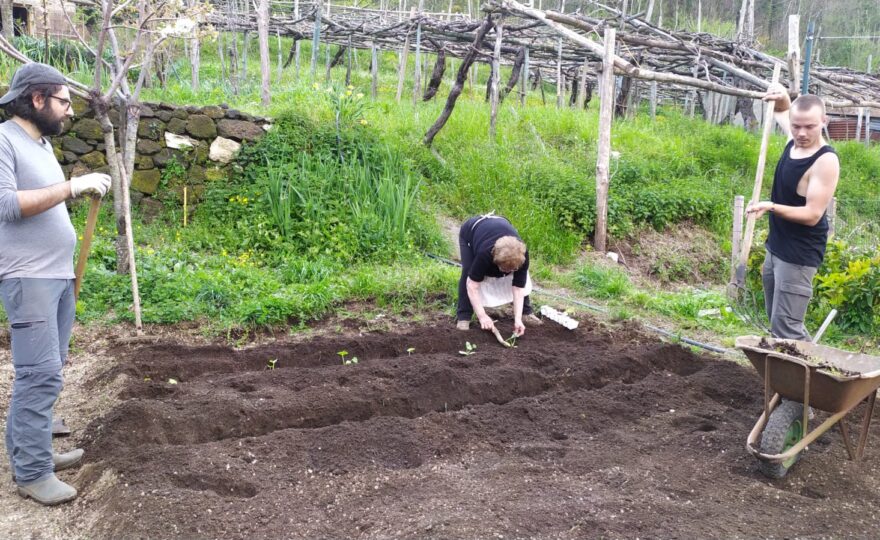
point(737, 290)
point(91, 222)
point(500, 339)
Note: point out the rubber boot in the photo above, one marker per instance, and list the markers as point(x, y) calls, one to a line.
point(49, 491)
point(67, 459)
point(532, 320)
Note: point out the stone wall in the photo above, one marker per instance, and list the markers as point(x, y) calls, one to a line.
point(202, 140)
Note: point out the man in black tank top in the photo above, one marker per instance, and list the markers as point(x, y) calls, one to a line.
point(803, 185)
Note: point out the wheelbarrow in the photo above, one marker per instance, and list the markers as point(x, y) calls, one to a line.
point(799, 375)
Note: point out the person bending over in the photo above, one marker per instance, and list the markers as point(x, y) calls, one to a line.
point(494, 272)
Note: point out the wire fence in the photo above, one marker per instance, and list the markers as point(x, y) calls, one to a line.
point(857, 222)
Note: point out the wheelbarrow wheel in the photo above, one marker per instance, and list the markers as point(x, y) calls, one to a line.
point(783, 430)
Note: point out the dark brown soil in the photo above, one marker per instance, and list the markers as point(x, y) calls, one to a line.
point(583, 434)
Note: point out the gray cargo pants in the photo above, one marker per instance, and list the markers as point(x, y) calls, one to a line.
point(40, 313)
point(787, 292)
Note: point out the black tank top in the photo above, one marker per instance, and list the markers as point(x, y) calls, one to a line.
point(793, 242)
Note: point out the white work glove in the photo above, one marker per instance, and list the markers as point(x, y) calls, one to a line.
point(90, 184)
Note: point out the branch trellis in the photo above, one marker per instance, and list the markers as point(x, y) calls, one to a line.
point(681, 61)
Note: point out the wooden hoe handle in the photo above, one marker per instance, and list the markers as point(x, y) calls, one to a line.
point(91, 222)
point(759, 176)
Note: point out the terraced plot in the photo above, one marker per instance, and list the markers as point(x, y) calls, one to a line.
point(584, 434)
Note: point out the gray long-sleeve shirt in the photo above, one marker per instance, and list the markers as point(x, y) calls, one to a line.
point(39, 246)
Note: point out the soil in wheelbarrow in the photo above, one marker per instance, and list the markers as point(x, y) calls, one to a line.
point(598, 432)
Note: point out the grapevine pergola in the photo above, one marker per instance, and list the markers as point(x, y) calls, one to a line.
point(560, 47)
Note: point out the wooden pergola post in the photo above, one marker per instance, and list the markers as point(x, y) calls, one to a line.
point(374, 71)
point(794, 54)
point(606, 109)
point(316, 38)
point(496, 77)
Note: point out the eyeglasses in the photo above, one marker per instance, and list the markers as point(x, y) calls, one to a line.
point(66, 102)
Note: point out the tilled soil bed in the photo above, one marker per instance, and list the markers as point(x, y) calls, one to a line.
point(573, 434)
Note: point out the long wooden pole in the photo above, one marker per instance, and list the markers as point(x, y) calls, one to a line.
point(85, 246)
point(316, 38)
point(417, 72)
point(374, 71)
point(401, 72)
point(794, 53)
point(604, 153)
point(263, 36)
point(756, 192)
point(496, 78)
point(736, 239)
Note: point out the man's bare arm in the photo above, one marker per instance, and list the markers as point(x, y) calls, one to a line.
point(778, 97)
point(823, 183)
point(36, 201)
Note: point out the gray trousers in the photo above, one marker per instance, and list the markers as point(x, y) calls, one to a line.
point(40, 313)
point(787, 292)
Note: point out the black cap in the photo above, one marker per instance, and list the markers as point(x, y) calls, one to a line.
point(30, 74)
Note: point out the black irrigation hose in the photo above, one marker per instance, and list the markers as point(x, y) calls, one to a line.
point(657, 329)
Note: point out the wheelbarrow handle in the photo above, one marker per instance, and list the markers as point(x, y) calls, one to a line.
point(91, 223)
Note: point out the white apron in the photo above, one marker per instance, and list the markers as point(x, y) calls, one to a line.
point(496, 292)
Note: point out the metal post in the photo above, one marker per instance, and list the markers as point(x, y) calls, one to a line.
point(808, 52)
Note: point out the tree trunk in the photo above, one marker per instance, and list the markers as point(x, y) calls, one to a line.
point(514, 74)
point(291, 53)
point(436, 76)
point(459, 82)
point(620, 108)
point(337, 58)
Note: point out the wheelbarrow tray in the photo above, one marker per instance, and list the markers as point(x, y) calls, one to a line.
point(838, 379)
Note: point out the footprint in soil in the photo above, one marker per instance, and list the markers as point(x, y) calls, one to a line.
point(242, 386)
point(224, 487)
point(812, 494)
point(694, 423)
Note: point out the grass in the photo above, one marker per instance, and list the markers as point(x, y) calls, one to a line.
point(293, 236)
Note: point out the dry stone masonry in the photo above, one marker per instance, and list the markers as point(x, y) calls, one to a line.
point(202, 141)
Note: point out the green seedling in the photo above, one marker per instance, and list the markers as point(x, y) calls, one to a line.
point(354, 360)
point(343, 354)
point(469, 349)
point(410, 351)
point(271, 363)
point(512, 340)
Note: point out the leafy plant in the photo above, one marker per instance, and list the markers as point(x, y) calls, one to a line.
point(469, 349)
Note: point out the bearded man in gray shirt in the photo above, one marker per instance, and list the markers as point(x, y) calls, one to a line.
point(37, 242)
